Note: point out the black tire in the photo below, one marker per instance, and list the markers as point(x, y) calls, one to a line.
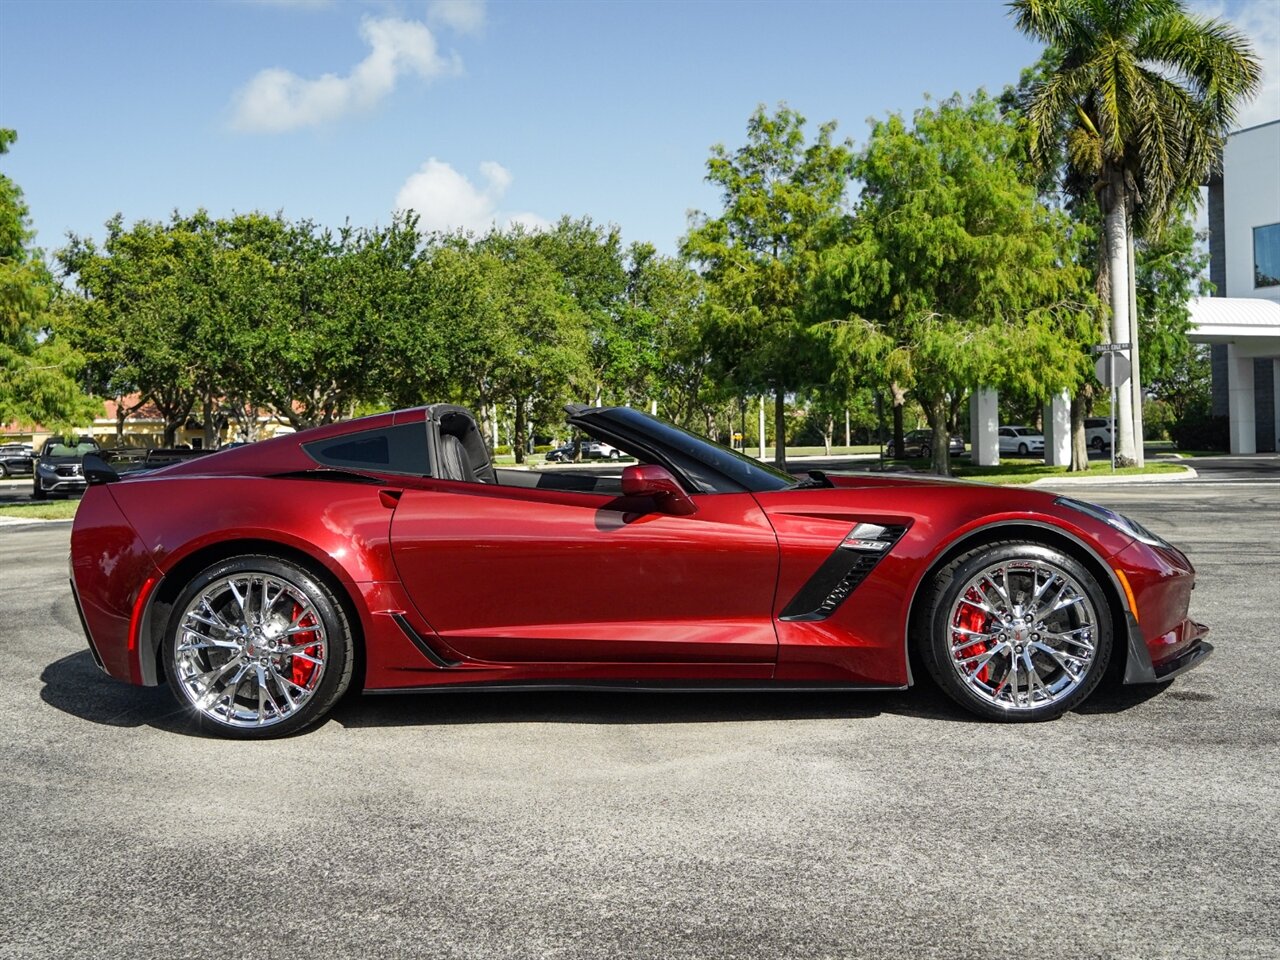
point(339, 659)
point(613, 454)
point(1023, 449)
point(935, 631)
point(888, 451)
point(4, 471)
point(37, 491)
point(1096, 444)
point(925, 450)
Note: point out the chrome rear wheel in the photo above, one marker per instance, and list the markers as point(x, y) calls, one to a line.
point(257, 647)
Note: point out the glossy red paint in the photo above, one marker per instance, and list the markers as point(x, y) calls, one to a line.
point(110, 566)
point(525, 584)
point(1161, 580)
point(510, 575)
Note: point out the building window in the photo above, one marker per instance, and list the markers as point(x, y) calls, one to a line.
point(1266, 256)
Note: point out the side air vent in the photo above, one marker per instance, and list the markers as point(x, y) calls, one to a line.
point(840, 573)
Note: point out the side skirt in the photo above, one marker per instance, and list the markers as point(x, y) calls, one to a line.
point(642, 686)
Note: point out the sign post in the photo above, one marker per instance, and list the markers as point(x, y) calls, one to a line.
point(1105, 369)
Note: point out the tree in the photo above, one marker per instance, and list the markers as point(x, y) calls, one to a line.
point(783, 200)
point(1142, 98)
point(665, 309)
point(38, 369)
point(143, 294)
point(524, 342)
point(1169, 272)
point(953, 276)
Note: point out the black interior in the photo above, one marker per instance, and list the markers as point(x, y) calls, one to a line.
point(461, 453)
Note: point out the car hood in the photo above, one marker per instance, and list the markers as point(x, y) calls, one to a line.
point(53, 461)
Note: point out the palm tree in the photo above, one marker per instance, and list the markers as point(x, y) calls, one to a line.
point(1142, 99)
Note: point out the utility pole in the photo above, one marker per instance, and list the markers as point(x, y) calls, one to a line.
point(762, 426)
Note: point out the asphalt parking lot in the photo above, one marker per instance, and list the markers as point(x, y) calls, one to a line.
point(589, 825)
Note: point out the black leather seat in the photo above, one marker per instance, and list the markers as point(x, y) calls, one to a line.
point(454, 462)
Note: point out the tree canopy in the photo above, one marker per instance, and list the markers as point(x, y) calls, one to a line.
point(783, 201)
point(37, 369)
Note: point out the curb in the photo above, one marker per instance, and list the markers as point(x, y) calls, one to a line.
point(1188, 473)
point(29, 521)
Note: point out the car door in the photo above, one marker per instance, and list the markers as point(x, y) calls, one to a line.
point(517, 575)
point(1007, 440)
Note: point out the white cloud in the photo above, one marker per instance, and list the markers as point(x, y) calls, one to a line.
point(446, 200)
point(1259, 20)
point(464, 16)
point(276, 99)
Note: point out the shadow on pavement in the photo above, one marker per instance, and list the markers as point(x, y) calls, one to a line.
point(75, 685)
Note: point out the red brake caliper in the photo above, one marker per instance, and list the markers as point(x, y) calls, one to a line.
point(300, 670)
point(972, 618)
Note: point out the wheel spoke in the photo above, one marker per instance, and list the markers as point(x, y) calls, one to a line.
point(205, 643)
point(283, 686)
point(981, 606)
point(1069, 664)
point(1034, 682)
point(267, 602)
point(984, 658)
point(1069, 602)
point(1003, 591)
point(1034, 604)
point(239, 598)
point(217, 618)
point(977, 634)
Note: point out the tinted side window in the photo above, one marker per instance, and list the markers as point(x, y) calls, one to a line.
point(401, 449)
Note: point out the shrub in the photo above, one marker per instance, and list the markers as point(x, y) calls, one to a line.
point(1198, 429)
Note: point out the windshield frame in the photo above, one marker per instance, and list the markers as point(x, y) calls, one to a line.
point(693, 455)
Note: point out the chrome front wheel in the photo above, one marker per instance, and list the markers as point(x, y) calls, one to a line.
point(258, 647)
point(1020, 631)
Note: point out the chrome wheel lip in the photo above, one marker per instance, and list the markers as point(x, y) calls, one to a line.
point(232, 658)
point(1038, 641)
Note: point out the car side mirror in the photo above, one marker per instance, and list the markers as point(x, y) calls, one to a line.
point(652, 480)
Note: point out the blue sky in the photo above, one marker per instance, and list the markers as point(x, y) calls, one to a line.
point(469, 112)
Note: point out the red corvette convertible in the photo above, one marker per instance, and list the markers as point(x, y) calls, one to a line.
point(262, 582)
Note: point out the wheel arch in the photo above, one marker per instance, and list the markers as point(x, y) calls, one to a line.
point(166, 591)
point(1137, 661)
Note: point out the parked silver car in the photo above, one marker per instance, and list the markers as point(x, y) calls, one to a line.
point(1021, 440)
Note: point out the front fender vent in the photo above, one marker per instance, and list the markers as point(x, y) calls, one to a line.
point(862, 548)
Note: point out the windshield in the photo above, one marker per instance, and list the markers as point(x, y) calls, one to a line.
point(745, 471)
point(57, 449)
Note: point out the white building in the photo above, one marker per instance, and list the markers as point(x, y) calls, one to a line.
point(1242, 320)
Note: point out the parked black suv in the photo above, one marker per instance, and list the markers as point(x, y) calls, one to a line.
point(15, 459)
point(60, 467)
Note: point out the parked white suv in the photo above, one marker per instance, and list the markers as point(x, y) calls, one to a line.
point(1097, 433)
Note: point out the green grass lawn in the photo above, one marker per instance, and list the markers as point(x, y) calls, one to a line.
point(41, 510)
point(1027, 472)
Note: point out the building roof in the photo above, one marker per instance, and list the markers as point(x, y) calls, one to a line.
point(1251, 323)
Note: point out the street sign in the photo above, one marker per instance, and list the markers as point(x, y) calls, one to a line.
point(1112, 347)
point(1103, 366)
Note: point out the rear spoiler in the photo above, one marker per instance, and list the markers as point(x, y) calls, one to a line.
point(108, 466)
